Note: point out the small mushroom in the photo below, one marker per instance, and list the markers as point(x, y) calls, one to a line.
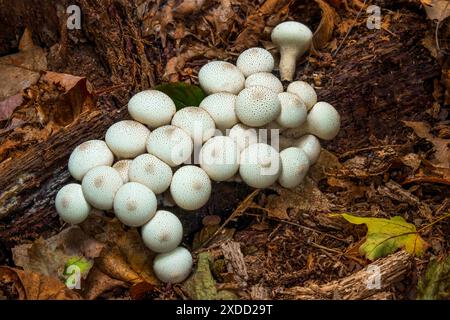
point(174, 266)
point(293, 111)
point(255, 60)
point(221, 76)
point(170, 144)
point(243, 135)
point(257, 106)
point(221, 107)
point(152, 172)
point(311, 146)
point(264, 79)
point(71, 205)
point(219, 157)
point(88, 155)
point(293, 39)
point(100, 185)
point(304, 91)
point(196, 122)
point(126, 139)
point(163, 233)
point(134, 204)
point(294, 167)
point(122, 167)
point(190, 187)
point(152, 108)
point(259, 165)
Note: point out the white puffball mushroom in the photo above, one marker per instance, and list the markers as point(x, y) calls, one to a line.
point(293, 111)
point(170, 144)
point(259, 165)
point(163, 233)
point(304, 91)
point(255, 60)
point(293, 39)
point(134, 204)
point(221, 107)
point(122, 167)
point(257, 106)
point(196, 122)
point(152, 108)
point(243, 135)
point(323, 121)
point(221, 76)
point(152, 172)
point(127, 138)
point(174, 266)
point(100, 185)
point(71, 205)
point(294, 167)
point(264, 79)
point(190, 187)
point(219, 157)
point(311, 146)
point(88, 155)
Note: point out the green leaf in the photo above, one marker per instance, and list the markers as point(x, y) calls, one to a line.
point(183, 94)
point(385, 236)
point(80, 263)
point(436, 284)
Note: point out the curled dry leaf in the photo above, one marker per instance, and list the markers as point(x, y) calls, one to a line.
point(437, 10)
point(324, 31)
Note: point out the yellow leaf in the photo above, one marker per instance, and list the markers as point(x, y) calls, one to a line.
point(385, 236)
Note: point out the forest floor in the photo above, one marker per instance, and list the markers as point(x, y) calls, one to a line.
point(390, 84)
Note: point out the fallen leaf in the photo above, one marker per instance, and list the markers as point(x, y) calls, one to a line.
point(324, 31)
point(437, 9)
point(386, 236)
point(436, 284)
point(183, 94)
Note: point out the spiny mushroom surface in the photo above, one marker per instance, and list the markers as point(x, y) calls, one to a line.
point(134, 204)
point(293, 39)
point(170, 144)
point(221, 76)
point(196, 122)
point(88, 155)
point(174, 266)
point(152, 108)
point(255, 60)
point(151, 172)
point(293, 111)
point(163, 233)
point(294, 167)
point(219, 157)
point(71, 205)
point(304, 91)
point(127, 138)
point(222, 108)
point(264, 79)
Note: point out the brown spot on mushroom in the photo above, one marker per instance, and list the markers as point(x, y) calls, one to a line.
point(131, 205)
point(169, 131)
point(120, 165)
point(227, 66)
point(65, 202)
point(85, 146)
point(98, 182)
point(197, 185)
point(149, 168)
point(257, 95)
point(164, 237)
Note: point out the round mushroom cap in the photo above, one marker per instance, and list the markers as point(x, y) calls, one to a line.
point(219, 157)
point(264, 79)
point(88, 155)
point(152, 172)
point(100, 185)
point(170, 144)
point(190, 187)
point(152, 108)
point(134, 204)
point(255, 60)
point(174, 266)
point(293, 110)
point(196, 122)
point(71, 205)
point(323, 121)
point(260, 165)
point(126, 139)
point(221, 76)
point(122, 167)
point(292, 34)
point(311, 146)
point(304, 91)
point(257, 106)
point(163, 233)
point(221, 108)
point(243, 135)
point(294, 167)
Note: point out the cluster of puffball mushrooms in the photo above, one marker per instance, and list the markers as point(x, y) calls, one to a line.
point(154, 151)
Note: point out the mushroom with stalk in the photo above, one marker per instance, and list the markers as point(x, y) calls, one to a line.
point(293, 39)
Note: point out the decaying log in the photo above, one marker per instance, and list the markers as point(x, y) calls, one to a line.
point(374, 279)
point(235, 260)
